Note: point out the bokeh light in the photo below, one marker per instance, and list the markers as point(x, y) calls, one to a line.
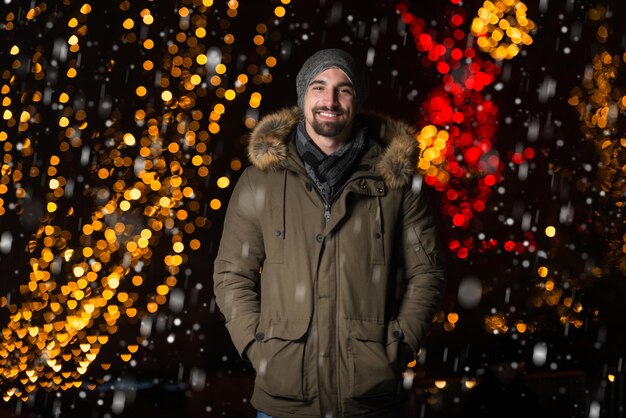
point(146, 179)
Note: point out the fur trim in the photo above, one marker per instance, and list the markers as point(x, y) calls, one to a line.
point(398, 162)
point(267, 149)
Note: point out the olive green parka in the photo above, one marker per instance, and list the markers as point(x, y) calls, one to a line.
point(325, 300)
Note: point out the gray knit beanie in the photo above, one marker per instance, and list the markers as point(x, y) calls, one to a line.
point(332, 58)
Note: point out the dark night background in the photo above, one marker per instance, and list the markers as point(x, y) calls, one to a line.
point(188, 367)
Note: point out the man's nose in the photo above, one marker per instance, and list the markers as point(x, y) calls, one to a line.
point(330, 97)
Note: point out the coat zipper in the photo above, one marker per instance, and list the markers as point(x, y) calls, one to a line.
point(337, 333)
point(327, 207)
point(326, 212)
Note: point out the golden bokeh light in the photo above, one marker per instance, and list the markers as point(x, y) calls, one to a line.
point(216, 204)
point(146, 178)
point(432, 143)
point(599, 101)
point(501, 27)
point(223, 182)
point(279, 11)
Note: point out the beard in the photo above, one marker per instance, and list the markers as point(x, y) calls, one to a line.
point(327, 128)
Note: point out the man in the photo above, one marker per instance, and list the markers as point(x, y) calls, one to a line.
point(328, 271)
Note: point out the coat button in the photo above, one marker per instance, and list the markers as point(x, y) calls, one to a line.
point(398, 335)
point(319, 238)
point(379, 190)
point(377, 235)
point(278, 233)
point(259, 336)
point(417, 248)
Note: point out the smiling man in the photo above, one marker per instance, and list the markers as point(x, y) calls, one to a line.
point(329, 272)
point(329, 109)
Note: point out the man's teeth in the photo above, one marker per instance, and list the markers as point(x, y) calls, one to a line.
point(328, 115)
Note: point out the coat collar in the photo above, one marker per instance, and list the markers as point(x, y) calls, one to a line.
point(268, 150)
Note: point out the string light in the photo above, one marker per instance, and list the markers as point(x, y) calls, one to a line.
point(599, 102)
point(501, 26)
point(147, 179)
point(466, 168)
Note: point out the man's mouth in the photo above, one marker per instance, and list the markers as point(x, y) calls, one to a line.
point(328, 114)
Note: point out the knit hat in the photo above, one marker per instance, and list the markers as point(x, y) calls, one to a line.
point(332, 58)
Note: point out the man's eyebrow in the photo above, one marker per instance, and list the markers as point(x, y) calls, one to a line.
point(323, 82)
point(346, 84)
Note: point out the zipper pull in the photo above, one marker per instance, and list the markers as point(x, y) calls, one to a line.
point(326, 212)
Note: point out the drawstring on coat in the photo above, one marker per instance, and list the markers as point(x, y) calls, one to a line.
point(284, 203)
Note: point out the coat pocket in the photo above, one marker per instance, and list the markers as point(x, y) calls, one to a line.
point(398, 351)
point(372, 371)
point(274, 234)
point(275, 247)
point(279, 358)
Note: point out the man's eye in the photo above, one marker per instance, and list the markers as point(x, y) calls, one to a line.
point(345, 91)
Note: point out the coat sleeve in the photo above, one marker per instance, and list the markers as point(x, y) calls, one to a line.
point(238, 263)
point(424, 269)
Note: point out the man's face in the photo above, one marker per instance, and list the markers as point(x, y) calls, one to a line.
point(330, 103)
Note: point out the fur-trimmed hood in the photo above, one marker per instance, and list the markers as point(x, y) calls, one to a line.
point(267, 149)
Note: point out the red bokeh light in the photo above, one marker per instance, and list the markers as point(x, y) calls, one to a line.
point(456, 20)
point(529, 153)
point(443, 68)
point(490, 180)
point(470, 119)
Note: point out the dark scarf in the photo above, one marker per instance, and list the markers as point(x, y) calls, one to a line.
point(330, 171)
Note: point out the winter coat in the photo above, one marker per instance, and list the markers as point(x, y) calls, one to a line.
point(325, 310)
